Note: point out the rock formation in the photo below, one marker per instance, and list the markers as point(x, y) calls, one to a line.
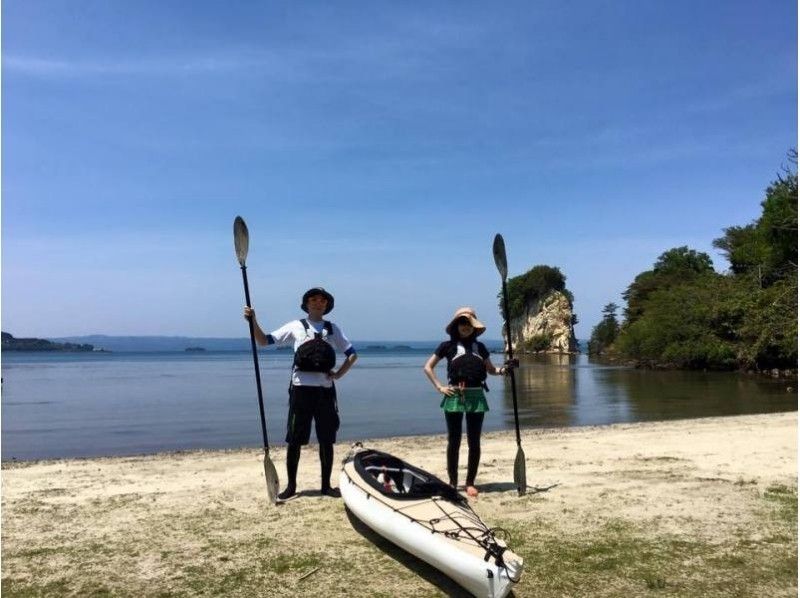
point(545, 326)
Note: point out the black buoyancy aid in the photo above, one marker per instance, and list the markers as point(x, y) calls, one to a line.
point(315, 355)
point(467, 368)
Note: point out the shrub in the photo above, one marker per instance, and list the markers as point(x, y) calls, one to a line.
point(540, 342)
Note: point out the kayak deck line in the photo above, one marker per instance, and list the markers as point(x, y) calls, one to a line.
point(430, 524)
point(387, 494)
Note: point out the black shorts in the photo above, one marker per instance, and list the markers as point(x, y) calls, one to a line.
point(312, 402)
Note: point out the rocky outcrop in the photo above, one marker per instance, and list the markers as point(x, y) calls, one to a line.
point(545, 326)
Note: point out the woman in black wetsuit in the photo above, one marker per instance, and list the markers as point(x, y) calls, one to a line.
point(468, 364)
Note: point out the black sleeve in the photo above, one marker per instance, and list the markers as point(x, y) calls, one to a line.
point(482, 350)
point(442, 350)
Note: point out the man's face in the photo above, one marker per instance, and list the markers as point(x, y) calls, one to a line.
point(317, 304)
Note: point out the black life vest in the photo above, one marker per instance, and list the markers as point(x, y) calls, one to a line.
point(315, 355)
point(468, 368)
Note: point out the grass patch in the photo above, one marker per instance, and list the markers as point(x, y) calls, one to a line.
point(623, 558)
point(285, 563)
point(18, 588)
point(38, 552)
point(249, 577)
point(783, 499)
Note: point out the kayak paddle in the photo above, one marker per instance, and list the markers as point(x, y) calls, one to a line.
point(241, 240)
point(499, 250)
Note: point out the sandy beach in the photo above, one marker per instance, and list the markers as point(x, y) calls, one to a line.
point(691, 508)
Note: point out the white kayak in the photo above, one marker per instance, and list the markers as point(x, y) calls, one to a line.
point(430, 519)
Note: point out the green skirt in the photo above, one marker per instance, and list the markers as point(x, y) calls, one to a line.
point(471, 400)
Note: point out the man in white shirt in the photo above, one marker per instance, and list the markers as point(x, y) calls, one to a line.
point(312, 392)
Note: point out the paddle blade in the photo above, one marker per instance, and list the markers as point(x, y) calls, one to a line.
point(272, 478)
point(520, 477)
point(499, 250)
point(241, 239)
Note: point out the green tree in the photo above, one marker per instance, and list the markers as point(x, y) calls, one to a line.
point(678, 328)
point(682, 260)
point(778, 225)
point(675, 266)
point(761, 322)
point(605, 333)
point(766, 250)
point(745, 250)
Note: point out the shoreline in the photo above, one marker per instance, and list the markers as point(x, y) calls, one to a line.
point(697, 507)
point(494, 435)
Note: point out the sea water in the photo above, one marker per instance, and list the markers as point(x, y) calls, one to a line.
point(93, 404)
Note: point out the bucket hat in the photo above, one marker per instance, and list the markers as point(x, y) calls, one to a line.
point(469, 314)
point(317, 291)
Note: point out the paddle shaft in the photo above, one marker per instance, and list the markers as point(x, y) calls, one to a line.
point(255, 360)
point(510, 357)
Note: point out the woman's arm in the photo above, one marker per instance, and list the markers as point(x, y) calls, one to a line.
point(428, 369)
point(490, 369)
point(503, 369)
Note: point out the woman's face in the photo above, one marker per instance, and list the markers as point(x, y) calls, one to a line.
point(464, 327)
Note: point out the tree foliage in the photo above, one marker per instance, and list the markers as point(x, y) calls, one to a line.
point(605, 333)
point(533, 286)
point(766, 250)
point(673, 267)
point(683, 314)
point(679, 328)
point(540, 342)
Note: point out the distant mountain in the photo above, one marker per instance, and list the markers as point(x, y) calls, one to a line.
point(157, 343)
point(181, 343)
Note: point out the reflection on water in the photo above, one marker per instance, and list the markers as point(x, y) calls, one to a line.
point(569, 390)
point(546, 390)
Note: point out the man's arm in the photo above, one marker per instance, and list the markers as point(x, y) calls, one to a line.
point(258, 334)
point(346, 365)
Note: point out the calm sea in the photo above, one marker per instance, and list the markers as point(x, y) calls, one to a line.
point(91, 404)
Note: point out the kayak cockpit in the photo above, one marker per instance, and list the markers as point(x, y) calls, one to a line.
point(395, 478)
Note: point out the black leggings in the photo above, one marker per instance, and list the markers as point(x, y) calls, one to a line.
point(325, 460)
point(474, 425)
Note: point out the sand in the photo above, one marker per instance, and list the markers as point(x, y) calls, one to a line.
point(198, 523)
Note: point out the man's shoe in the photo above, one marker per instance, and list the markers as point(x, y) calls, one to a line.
point(288, 493)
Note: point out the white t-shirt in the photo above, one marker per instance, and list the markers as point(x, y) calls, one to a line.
point(293, 332)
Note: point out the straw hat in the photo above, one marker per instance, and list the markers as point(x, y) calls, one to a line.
point(469, 314)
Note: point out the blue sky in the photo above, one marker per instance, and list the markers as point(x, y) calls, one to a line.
point(374, 148)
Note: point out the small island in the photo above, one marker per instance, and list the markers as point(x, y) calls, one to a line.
point(195, 349)
point(10, 343)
